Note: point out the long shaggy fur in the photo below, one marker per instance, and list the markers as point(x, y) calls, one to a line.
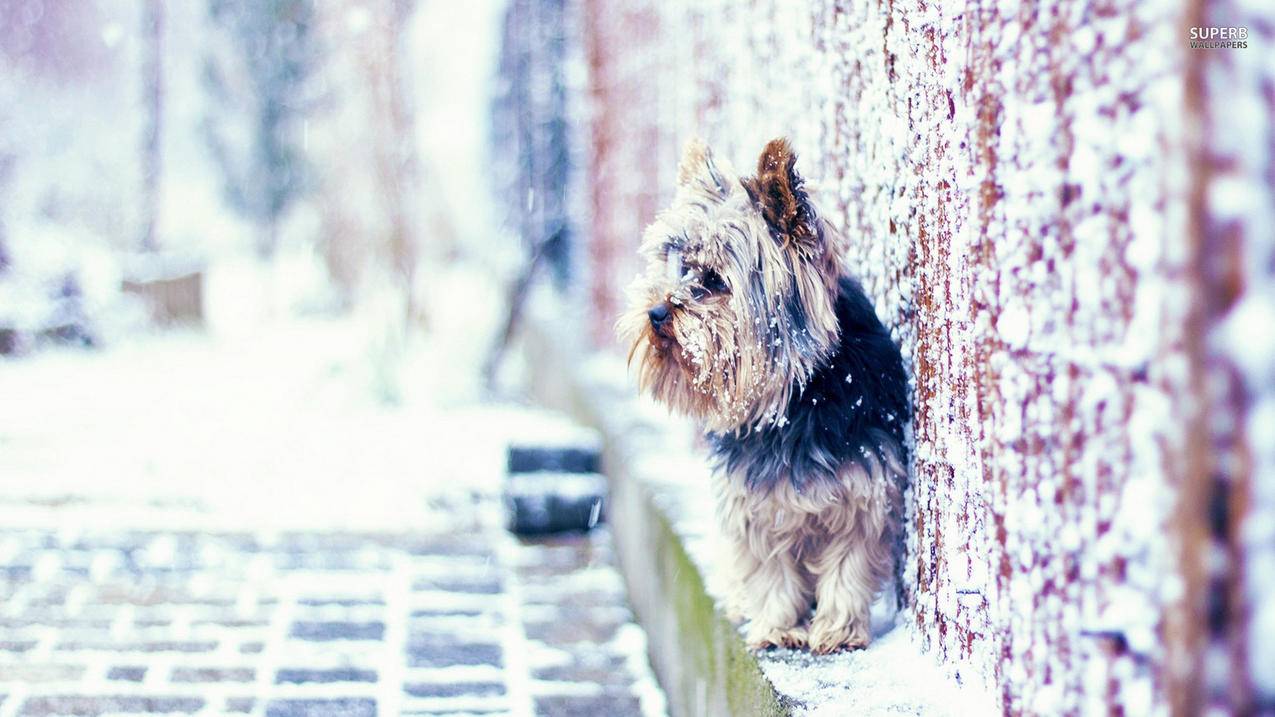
point(746, 320)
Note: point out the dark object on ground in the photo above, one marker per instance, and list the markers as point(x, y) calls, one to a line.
point(530, 459)
point(552, 485)
point(58, 316)
point(538, 503)
point(10, 340)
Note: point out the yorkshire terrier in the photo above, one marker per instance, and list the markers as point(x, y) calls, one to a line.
point(747, 320)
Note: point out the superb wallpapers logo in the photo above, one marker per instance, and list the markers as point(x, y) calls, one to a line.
point(1213, 38)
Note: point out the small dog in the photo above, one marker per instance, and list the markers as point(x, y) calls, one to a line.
point(747, 321)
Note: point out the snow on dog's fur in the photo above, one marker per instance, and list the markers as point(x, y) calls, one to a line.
point(747, 320)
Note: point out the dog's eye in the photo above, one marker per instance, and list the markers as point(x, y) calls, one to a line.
point(710, 282)
point(713, 281)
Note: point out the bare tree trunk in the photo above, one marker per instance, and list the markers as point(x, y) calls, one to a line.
point(267, 237)
point(6, 169)
point(401, 170)
point(152, 131)
point(514, 308)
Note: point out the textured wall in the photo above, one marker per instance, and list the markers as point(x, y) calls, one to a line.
point(622, 172)
point(1066, 216)
point(1231, 95)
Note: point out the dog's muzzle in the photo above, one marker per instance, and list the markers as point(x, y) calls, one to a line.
point(661, 316)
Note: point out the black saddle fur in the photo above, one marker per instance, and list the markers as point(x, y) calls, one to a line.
point(832, 420)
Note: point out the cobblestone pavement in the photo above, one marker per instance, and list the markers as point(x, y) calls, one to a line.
point(464, 619)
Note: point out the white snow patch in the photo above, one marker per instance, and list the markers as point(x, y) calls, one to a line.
point(891, 677)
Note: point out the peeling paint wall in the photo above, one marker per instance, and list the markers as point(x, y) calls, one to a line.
point(1065, 214)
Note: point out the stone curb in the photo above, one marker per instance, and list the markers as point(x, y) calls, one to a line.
point(699, 657)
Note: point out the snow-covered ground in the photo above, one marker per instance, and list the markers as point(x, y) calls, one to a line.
point(286, 424)
point(300, 516)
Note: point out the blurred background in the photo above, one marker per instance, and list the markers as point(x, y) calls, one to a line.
point(241, 242)
point(227, 164)
point(253, 252)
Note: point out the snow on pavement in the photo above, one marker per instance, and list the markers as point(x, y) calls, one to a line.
point(203, 524)
point(280, 427)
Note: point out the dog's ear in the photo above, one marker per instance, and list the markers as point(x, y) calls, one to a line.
point(777, 191)
point(699, 167)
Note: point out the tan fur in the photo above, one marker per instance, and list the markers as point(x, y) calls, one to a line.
point(727, 360)
point(777, 190)
point(715, 368)
point(828, 546)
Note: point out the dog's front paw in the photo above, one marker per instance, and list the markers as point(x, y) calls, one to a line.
point(761, 637)
point(827, 636)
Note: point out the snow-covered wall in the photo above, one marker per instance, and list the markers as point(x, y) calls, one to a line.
point(1232, 97)
point(1065, 214)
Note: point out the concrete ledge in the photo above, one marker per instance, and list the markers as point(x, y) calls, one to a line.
point(697, 654)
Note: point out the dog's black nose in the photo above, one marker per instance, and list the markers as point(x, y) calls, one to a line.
point(658, 314)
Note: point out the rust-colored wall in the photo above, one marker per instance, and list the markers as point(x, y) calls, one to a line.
point(623, 177)
point(1056, 215)
point(1230, 646)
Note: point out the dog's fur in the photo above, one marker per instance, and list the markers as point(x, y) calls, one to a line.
point(747, 320)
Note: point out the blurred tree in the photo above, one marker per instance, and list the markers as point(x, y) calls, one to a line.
point(259, 76)
point(58, 40)
point(6, 165)
point(396, 161)
point(367, 179)
point(533, 151)
point(153, 118)
point(530, 130)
